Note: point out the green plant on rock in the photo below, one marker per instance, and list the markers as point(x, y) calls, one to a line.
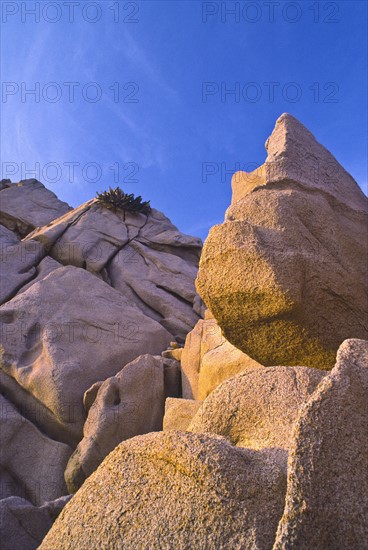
point(116, 199)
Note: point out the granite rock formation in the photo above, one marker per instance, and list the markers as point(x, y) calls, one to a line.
point(286, 275)
point(175, 490)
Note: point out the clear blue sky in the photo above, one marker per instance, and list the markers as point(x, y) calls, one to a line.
point(167, 129)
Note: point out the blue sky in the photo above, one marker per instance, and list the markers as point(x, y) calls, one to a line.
point(150, 110)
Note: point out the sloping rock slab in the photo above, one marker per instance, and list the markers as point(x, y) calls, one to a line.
point(29, 204)
point(68, 331)
point(175, 490)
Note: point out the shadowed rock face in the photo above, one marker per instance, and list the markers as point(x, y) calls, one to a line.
point(326, 501)
point(286, 274)
point(145, 258)
point(128, 404)
point(31, 464)
point(84, 292)
point(175, 490)
point(66, 332)
point(23, 526)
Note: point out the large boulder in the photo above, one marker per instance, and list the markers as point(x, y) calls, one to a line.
point(175, 490)
point(68, 331)
point(208, 359)
point(31, 464)
point(327, 494)
point(27, 205)
point(144, 257)
point(23, 526)
point(128, 404)
point(257, 409)
point(285, 275)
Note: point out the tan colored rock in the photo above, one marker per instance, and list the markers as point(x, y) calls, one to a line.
point(286, 274)
point(179, 413)
point(327, 495)
point(175, 490)
point(68, 331)
point(145, 258)
point(208, 359)
point(31, 464)
point(23, 526)
point(28, 204)
point(128, 404)
point(257, 409)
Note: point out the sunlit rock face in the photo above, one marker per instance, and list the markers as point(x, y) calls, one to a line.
point(208, 359)
point(285, 275)
point(326, 501)
point(257, 409)
point(175, 490)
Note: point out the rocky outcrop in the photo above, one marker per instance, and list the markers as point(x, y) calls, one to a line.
point(257, 409)
point(175, 490)
point(145, 258)
point(326, 501)
point(27, 205)
point(18, 261)
point(84, 292)
point(31, 464)
point(208, 359)
point(128, 404)
point(179, 413)
point(286, 274)
point(67, 332)
point(23, 526)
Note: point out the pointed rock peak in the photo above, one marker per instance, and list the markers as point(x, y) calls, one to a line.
point(288, 136)
point(296, 158)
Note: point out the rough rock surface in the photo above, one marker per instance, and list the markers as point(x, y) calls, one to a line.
point(175, 490)
point(68, 331)
point(286, 274)
point(18, 261)
point(208, 359)
point(123, 406)
point(327, 494)
point(27, 205)
point(179, 413)
point(23, 526)
point(31, 464)
point(257, 409)
point(145, 258)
